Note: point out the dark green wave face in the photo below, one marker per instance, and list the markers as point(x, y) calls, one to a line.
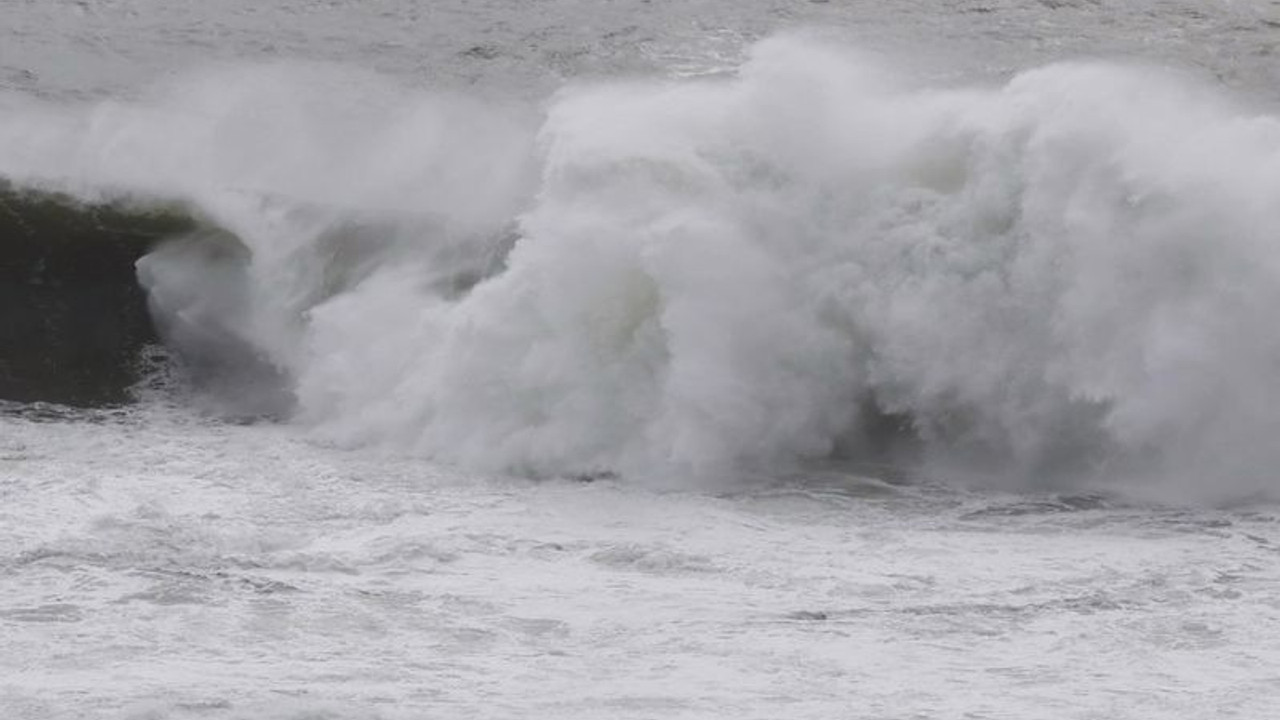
point(73, 319)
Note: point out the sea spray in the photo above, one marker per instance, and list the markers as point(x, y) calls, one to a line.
point(1069, 276)
point(1064, 277)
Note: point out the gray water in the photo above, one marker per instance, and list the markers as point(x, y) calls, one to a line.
point(603, 483)
point(110, 47)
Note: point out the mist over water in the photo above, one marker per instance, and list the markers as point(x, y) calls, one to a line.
point(1067, 276)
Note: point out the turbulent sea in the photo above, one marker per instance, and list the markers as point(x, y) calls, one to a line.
point(653, 359)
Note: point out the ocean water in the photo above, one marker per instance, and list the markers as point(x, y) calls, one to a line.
point(639, 359)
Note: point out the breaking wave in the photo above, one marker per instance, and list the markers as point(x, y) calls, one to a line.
point(1072, 275)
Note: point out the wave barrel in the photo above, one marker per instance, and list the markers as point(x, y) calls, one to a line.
point(73, 319)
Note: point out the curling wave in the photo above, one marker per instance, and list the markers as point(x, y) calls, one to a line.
point(1069, 275)
point(73, 320)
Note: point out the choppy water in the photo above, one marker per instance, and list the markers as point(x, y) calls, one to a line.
point(78, 48)
point(156, 567)
point(770, 299)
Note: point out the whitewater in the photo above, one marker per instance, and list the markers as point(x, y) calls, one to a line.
point(639, 361)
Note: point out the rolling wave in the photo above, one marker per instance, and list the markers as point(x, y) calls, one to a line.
point(1071, 275)
point(73, 320)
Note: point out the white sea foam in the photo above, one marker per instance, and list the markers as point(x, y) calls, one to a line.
point(1071, 274)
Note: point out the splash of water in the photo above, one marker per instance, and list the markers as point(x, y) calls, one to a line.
point(1070, 275)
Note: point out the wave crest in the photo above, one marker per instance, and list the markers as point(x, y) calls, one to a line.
point(1068, 275)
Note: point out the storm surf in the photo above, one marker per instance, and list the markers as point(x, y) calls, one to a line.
point(807, 257)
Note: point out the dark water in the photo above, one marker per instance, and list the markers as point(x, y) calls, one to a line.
point(73, 319)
